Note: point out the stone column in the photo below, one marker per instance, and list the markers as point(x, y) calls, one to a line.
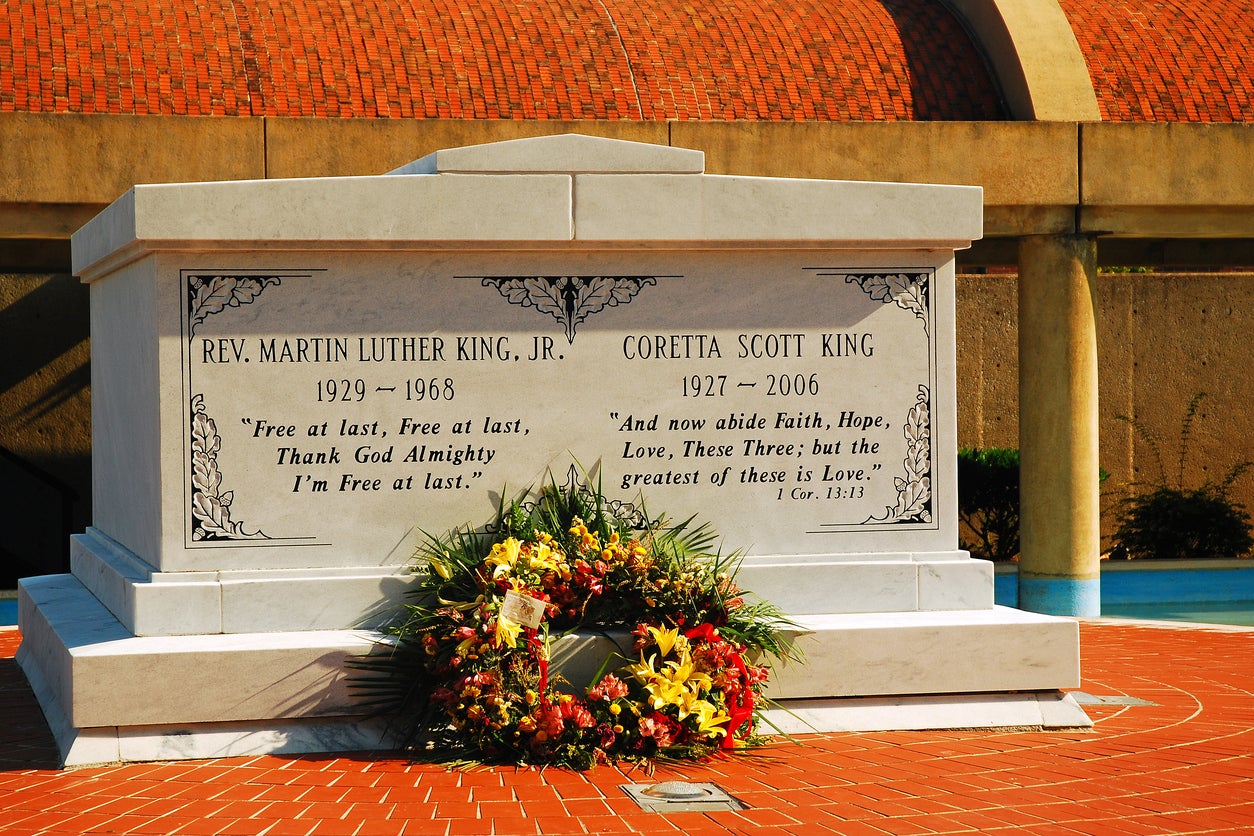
point(1058, 445)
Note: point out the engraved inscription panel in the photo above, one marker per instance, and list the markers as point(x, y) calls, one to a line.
point(789, 399)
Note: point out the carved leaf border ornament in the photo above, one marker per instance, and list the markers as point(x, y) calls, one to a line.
point(208, 295)
point(909, 291)
point(211, 505)
point(568, 299)
point(914, 490)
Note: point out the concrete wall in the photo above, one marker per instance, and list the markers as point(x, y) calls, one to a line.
point(1162, 337)
point(1135, 181)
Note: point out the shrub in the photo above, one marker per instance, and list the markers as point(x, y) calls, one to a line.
point(1168, 520)
point(1173, 523)
point(988, 501)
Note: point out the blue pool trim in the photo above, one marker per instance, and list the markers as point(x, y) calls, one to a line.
point(1006, 586)
point(1061, 596)
point(1156, 587)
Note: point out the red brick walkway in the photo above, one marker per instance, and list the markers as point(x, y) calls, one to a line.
point(1184, 765)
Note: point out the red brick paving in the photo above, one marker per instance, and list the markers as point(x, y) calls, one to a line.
point(1182, 766)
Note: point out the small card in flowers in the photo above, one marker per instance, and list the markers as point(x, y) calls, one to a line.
point(522, 609)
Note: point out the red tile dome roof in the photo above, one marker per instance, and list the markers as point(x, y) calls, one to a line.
point(654, 60)
point(527, 59)
point(1168, 60)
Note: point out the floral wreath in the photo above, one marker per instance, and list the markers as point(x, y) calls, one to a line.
point(465, 674)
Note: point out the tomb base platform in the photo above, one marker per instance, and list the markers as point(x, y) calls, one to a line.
point(112, 696)
point(1033, 711)
point(109, 695)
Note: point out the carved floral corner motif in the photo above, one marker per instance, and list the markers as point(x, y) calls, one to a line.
point(914, 490)
point(208, 295)
point(908, 290)
point(211, 505)
point(568, 299)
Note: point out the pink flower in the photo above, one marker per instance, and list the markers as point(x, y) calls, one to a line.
point(659, 728)
point(550, 722)
point(609, 688)
point(578, 713)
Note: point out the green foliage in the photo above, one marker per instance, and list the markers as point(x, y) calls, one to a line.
point(1169, 520)
point(1173, 523)
point(988, 501)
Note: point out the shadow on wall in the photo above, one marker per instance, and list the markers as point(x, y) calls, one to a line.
point(37, 516)
point(45, 422)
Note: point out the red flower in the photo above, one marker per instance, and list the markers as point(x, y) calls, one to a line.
point(661, 728)
point(578, 713)
point(609, 688)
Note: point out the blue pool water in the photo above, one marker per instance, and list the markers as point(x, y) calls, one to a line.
point(1207, 592)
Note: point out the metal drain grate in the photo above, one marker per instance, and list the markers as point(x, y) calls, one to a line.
point(680, 797)
point(1119, 699)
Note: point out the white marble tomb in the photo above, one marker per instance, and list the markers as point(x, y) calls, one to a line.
point(292, 379)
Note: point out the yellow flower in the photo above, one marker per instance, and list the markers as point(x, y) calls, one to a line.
point(506, 632)
point(678, 682)
point(545, 558)
point(668, 640)
point(664, 692)
point(587, 540)
point(709, 719)
point(504, 557)
point(684, 685)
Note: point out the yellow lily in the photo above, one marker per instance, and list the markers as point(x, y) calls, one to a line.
point(507, 631)
point(678, 683)
point(439, 567)
point(544, 557)
point(662, 694)
point(504, 557)
point(466, 645)
point(668, 640)
point(709, 720)
point(684, 671)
